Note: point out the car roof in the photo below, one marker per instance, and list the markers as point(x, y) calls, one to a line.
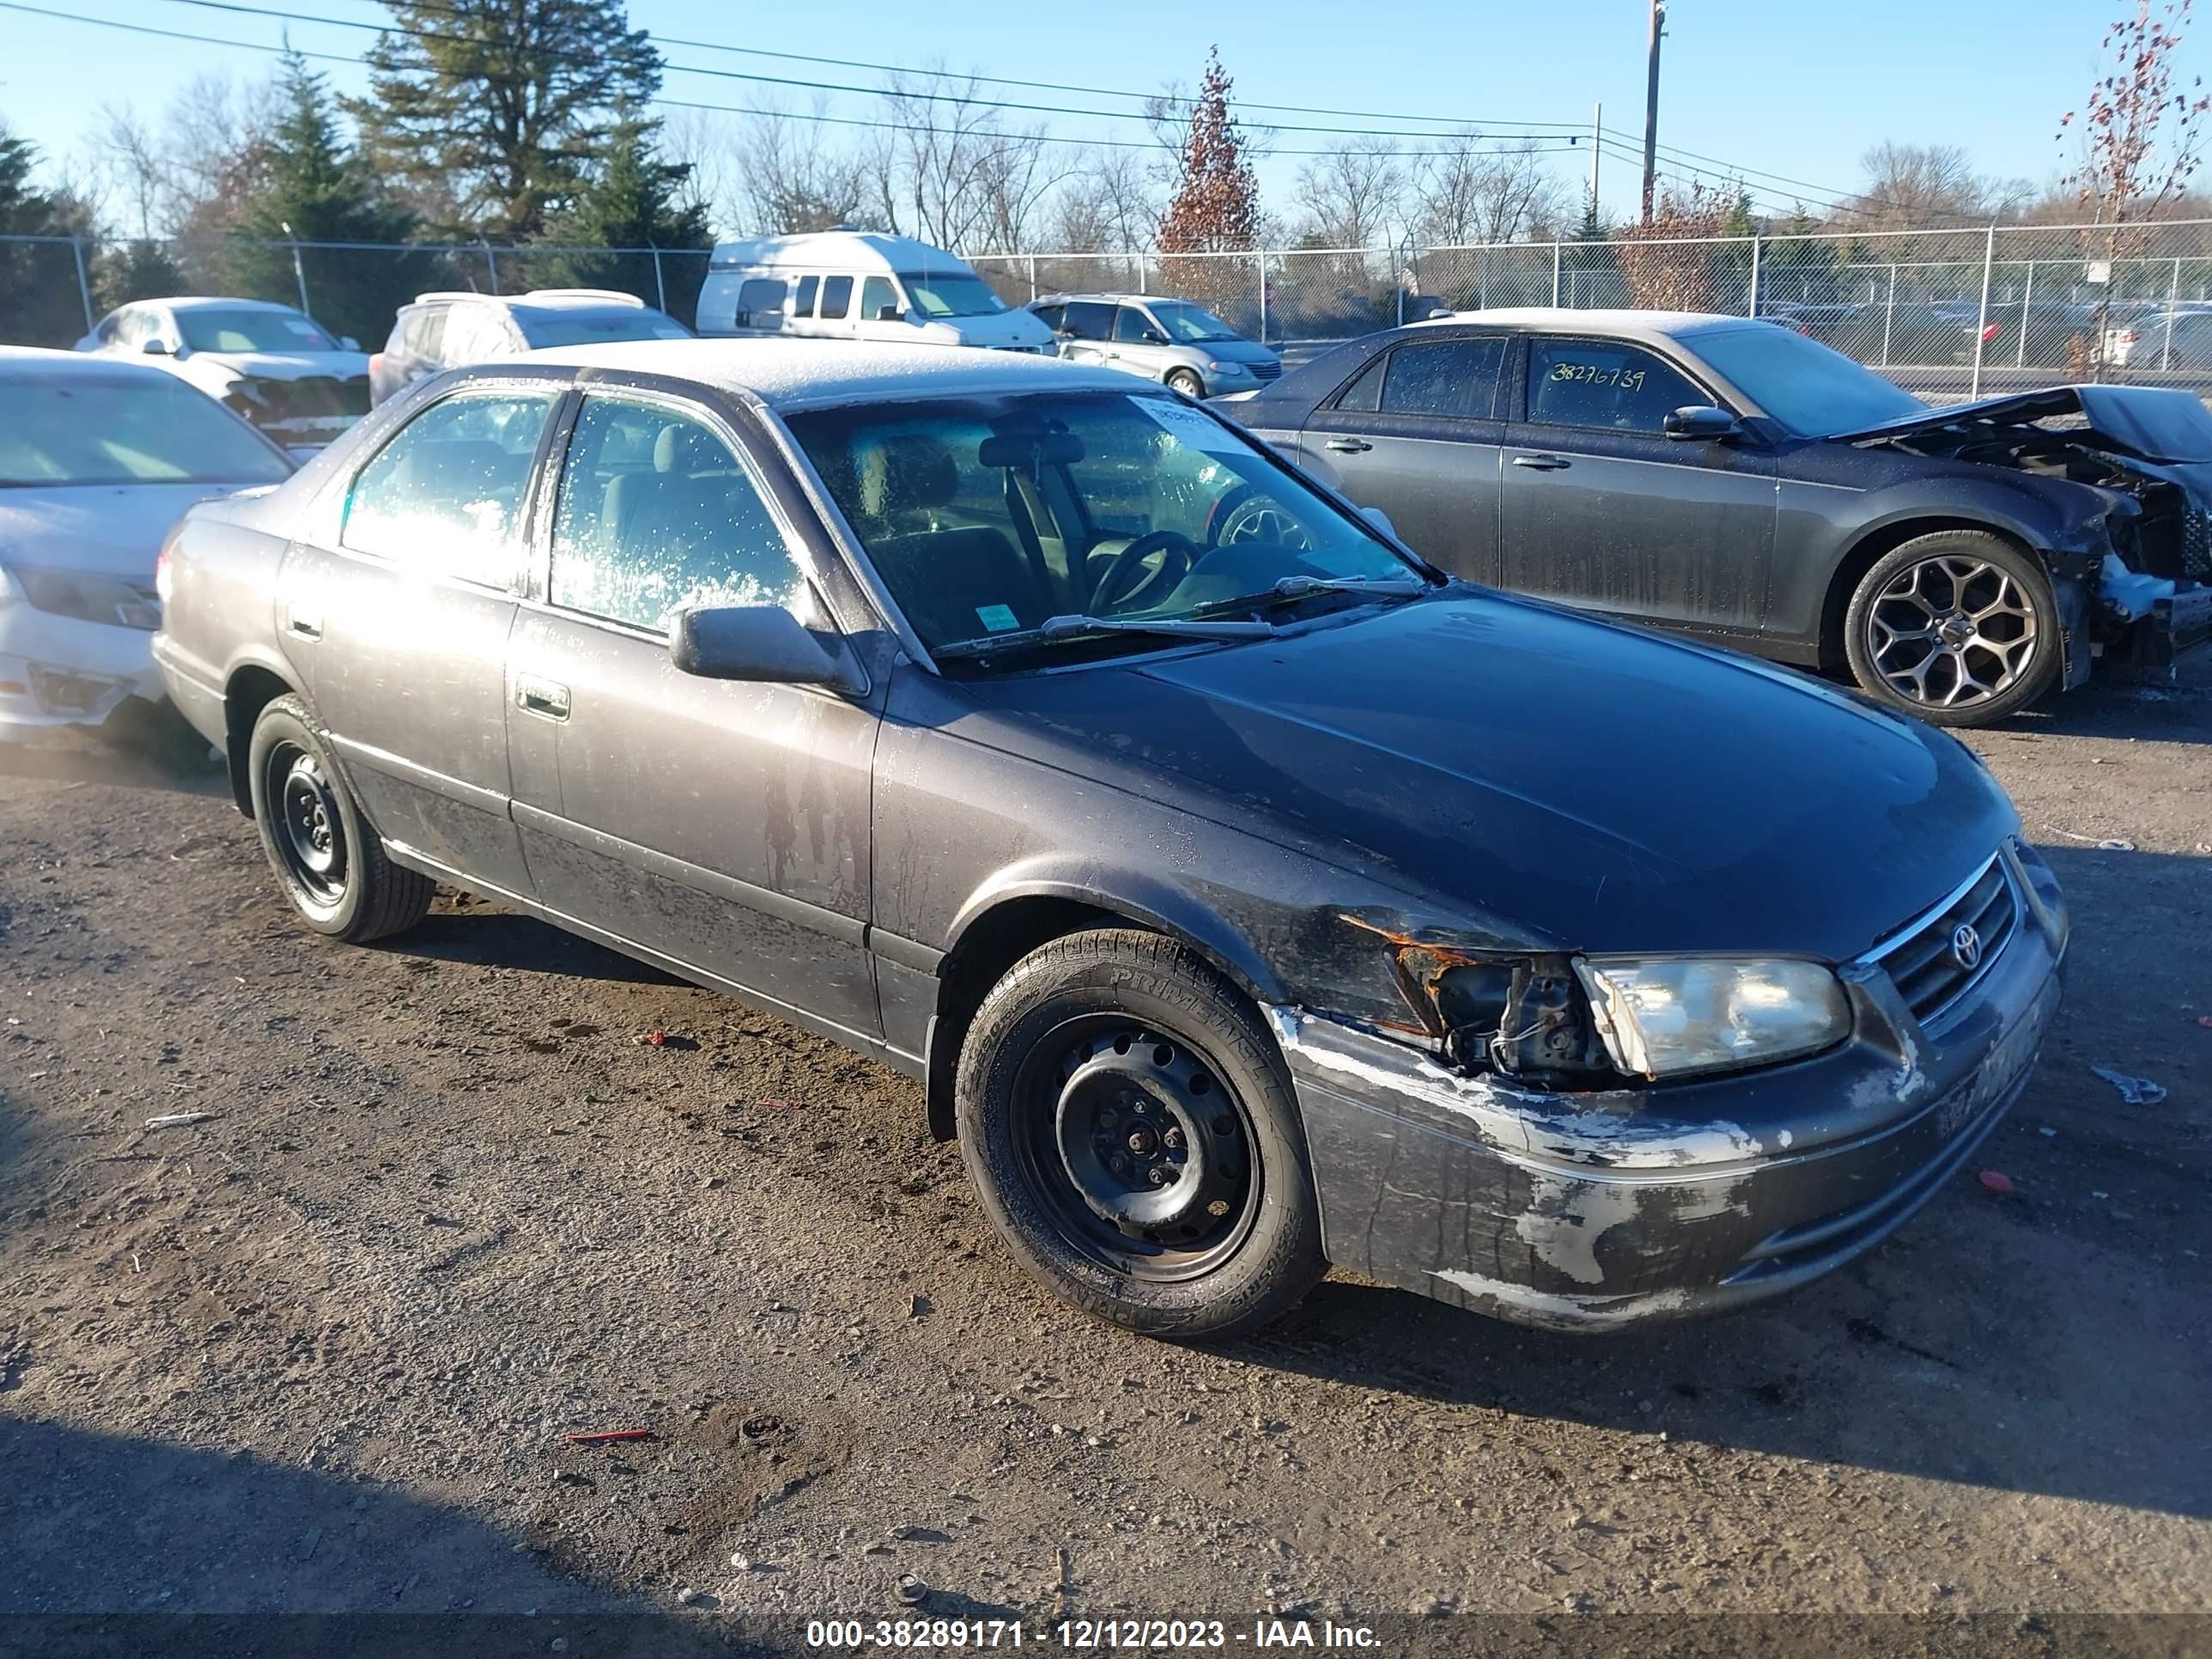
point(214, 301)
point(851, 250)
point(539, 299)
point(1622, 322)
point(39, 363)
point(1112, 297)
point(792, 374)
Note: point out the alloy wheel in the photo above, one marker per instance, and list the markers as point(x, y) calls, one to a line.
point(1950, 631)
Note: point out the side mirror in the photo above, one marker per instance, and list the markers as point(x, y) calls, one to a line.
point(890, 314)
point(348, 343)
point(1154, 336)
point(1701, 422)
point(155, 347)
point(1381, 520)
point(760, 642)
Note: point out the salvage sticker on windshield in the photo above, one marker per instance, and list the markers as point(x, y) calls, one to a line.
point(997, 618)
point(1191, 426)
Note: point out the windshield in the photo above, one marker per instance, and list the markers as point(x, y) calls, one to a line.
point(950, 295)
point(1189, 324)
point(251, 331)
point(1810, 388)
point(151, 430)
point(547, 329)
point(987, 516)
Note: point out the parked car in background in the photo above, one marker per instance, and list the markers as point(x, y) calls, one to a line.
point(1172, 341)
point(278, 368)
point(447, 331)
point(2177, 337)
point(1745, 483)
point(858, 285)
point(99, 459)
point(1556, 970)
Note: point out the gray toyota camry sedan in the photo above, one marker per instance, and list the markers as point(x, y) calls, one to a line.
point(1250, 896)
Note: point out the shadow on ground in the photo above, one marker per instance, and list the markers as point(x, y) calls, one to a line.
point(242, 1544)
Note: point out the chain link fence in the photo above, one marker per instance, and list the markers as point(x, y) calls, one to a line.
point(1949, 313)
point(54, 289)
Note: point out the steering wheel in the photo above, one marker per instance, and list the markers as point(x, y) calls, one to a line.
point(1178, 554)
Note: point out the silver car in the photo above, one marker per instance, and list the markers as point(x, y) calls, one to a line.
point(1183, 345)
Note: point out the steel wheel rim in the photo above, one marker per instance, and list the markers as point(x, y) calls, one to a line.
point(310, 832)
point(1262, 520)
point(1950, 631)
point(1103, 1102)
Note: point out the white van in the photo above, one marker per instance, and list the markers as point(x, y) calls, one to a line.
point(856, 285)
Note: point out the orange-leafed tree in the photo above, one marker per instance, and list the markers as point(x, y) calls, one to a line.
point(1216, 206)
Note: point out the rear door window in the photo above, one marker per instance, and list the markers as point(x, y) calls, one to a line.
point(836, 298)
point(1365, 395)
point(1090, 320)
point(447, 494)
point(802, 300)
point(1452, 378)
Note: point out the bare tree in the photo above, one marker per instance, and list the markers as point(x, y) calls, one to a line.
point(782, 174)
point(1110, 207)
point(1353, 198)
point(948, 169)
point(131, 158)
point(1475, 192)
point(1920, 186)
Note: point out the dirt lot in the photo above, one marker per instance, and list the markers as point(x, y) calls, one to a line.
point(316, 1355)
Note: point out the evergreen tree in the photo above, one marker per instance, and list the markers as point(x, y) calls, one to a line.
point(136, 269)
point(320, 187)
point(634, 198)
point(496, 109)
point(39, 300)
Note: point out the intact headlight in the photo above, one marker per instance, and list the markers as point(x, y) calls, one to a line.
point(1676, 1016)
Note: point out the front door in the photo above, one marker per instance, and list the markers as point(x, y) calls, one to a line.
point(1416, 434)
point(1602, 509)
point(723, 825)
point(402, 623)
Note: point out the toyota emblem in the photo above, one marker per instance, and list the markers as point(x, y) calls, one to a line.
point(1965, 946)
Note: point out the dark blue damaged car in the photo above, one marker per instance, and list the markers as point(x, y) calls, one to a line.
point(1250, 896)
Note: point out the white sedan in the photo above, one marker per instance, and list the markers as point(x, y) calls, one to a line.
point(98, 460)
point(276, 366)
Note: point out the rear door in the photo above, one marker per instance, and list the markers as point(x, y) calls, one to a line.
point(1602, 510)
point(723, 825)
point(1086, 331)
point(401, 613)
point(1417, 434)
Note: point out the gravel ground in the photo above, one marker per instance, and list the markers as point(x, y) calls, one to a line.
point(316, 1354)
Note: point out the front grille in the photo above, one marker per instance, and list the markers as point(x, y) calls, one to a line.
point(316, 397)
point(1267, 371)
point(2196, 544)
point(1923, 962)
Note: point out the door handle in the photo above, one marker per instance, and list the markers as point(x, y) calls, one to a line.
point(542, 697)
point(1348, 446)
point(1543, 462)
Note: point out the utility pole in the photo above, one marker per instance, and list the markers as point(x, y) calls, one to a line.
point(1597, 144)
point(1651, 107)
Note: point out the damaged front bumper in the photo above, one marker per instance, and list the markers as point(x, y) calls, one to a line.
point(58, 671)
point(1590, 1211)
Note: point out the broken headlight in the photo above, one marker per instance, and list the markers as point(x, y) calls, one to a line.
point(1677, 1017)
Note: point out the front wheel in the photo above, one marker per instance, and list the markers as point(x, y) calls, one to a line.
point(327, 860)
point(1133, 1136)
point(1959, 627)
point(1185, 381)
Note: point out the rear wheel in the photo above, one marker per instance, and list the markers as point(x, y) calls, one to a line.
point(1959, 627)
point(1133, 1136)
point(1185, 381)
point(328, 862)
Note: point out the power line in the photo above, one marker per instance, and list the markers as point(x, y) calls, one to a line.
point(663, 103)
point(962, 100)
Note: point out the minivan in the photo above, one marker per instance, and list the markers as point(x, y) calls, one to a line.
point(858, 285)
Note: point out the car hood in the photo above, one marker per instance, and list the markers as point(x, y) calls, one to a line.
point(1236, 351)
point(289, 365)
point(996, 328)
point(2146, 422)
point(115, 529)
point(1599, 787)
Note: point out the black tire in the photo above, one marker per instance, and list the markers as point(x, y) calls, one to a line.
point(1970, 677)
point(1122, 1019)
point(1185, 381)
point(305, 813)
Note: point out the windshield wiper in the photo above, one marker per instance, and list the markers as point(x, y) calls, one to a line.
point(1291, 588)
point(1055, 629)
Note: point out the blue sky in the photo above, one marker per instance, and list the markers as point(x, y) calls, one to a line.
point(1781, 86)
